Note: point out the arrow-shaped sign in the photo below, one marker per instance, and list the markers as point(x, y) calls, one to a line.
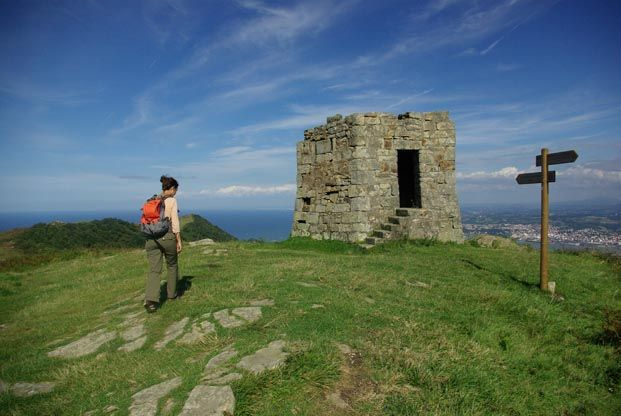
point(535, 177)
point(559, 157)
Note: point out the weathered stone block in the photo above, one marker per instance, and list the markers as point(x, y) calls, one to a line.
point(360, 204)
point(323, 146)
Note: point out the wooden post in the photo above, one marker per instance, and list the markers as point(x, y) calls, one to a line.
point(545, 178)
point(543, 267)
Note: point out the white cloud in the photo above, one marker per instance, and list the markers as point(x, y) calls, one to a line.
point(508, 172)
point(551, 117)
point(271, 26)
point(246, 190)
point(283, 24)
point(231, 151)
point(470, 22)
point(492, 46)
point(585, 174)
point(141, 115)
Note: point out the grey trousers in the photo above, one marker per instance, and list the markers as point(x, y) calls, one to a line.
point(156, 249)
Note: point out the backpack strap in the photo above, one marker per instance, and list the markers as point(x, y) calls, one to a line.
point(162, 206)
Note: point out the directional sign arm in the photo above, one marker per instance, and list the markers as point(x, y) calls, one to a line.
point(534, 177)
point(559, 158)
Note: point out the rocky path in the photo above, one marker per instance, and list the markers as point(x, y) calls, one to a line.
point(213, 394)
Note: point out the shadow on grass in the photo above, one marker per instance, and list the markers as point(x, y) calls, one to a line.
point(183, 285)
point(527, 285)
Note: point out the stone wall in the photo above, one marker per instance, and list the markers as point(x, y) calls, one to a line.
point(347, 182)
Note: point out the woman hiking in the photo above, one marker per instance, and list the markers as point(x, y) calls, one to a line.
point(168, 246)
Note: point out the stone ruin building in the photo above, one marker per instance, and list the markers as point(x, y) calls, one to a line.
point(376, 176)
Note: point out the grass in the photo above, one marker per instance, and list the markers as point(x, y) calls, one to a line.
point(441, 329)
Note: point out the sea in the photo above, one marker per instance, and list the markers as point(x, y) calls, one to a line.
point(275, 225)
point(266, 225)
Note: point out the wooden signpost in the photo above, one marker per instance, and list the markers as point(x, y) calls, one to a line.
point(544, 177)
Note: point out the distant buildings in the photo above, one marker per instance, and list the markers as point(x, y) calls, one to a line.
point(560, 236)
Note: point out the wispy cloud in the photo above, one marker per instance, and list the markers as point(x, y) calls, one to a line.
point(588, 176)
point(301, 117)
point(508, 172)
point(284, 24)
point(169, 20)
point(264, 39)
point(270, 26)
point(236, 164)
point(471, 21)
point(141, 115)
point(545, 119)
point(492, 46)
point(244, 190)
point(410, 98)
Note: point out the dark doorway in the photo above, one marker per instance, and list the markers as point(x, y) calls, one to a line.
point(408, 172)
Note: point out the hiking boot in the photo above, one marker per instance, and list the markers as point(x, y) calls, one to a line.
point(151, 306)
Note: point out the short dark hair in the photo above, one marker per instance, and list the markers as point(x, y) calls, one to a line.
point(168, 182)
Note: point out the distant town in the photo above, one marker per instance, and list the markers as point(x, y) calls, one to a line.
point(560, 237)
point(580, 229)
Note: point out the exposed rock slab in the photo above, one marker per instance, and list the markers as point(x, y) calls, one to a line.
point(264, 359)
point(198, 332)
point(144, 403)
point(133, 332)
point(203, 242)
point(227, 320)
point(220, 359)
point(225, 379)
point(209, 401)
point(85, 345)
point(262, 302)
point(173, 332)
point(249, 313)
point(133, 345)
point(31, 389)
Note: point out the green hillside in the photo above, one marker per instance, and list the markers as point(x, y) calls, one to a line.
point(105, 234)
point(194, 227)
point(403, 329)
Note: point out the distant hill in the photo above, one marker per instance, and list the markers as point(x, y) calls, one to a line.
point(106, 233)
point(194, 227)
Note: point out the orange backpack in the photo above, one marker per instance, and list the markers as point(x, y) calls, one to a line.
point(153, 224)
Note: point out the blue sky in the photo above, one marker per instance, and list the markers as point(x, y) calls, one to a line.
point(99, 98)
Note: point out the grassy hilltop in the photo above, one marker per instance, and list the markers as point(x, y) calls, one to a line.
point(45, 241)
point(403, 329)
